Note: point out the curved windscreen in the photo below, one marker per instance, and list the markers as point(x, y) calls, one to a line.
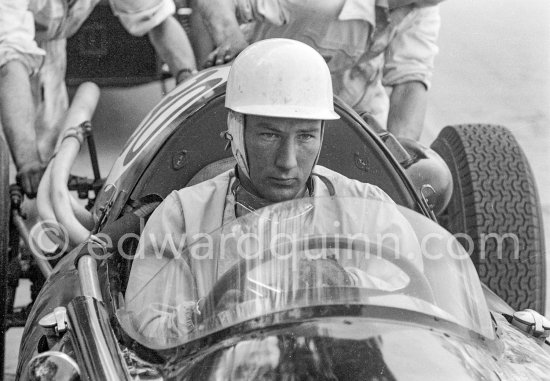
point(302, 253)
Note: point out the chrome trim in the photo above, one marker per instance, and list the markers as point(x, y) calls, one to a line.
point(87, 274)
point(53, 365)
point(95, 344)
point(54, 323)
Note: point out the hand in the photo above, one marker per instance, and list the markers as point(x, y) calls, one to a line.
point(226, 52)
point(183, 74)
point(29, 176)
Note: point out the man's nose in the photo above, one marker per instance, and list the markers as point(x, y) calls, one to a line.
point(286, 155)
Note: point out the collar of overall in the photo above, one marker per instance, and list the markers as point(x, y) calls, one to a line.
point(246, 201)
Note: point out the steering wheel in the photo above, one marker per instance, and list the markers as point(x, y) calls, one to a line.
point(234, 279)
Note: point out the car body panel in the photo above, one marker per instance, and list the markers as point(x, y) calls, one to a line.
point(336, 348)
point(58, 290)
point(152, 133)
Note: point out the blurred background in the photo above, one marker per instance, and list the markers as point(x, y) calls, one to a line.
point(493, 67)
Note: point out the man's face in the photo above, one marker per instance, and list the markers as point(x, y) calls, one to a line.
point(281, 153)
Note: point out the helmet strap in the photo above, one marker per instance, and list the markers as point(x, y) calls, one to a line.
point(320, 147)
point(235, 129)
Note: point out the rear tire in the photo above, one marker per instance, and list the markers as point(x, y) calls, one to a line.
point(494, 193)
point(4, 240)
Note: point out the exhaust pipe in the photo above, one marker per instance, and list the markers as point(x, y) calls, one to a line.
point(55, 203)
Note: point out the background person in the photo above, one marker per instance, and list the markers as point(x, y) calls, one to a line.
point(368, 45)
point(33, 96)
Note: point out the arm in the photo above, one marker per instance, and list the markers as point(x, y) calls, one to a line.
point(202, 42)
point(160, 296)
point(20, 57)
point(219, 17)
point(407, 109)
point(17, 112)
point(173, 47)
point(408, 67)
point(164, 310)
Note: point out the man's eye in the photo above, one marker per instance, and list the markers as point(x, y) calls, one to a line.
point(306, 137)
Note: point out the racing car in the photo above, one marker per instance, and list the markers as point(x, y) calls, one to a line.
point(307, 315)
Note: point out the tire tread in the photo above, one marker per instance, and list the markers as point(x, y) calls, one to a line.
point(495, 192)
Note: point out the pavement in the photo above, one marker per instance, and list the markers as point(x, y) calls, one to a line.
point(493, 67)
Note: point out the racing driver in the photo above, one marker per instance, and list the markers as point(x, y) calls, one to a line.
point(279, 95)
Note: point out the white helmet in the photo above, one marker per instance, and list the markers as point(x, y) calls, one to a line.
point(280, 78)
